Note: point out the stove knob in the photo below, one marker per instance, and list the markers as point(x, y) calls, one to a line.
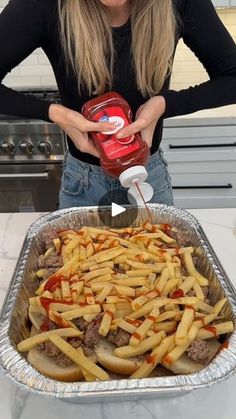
point(26, 147)
point(8, 147)
point(44, 147)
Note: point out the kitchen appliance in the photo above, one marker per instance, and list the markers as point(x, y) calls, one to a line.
point(31, 155)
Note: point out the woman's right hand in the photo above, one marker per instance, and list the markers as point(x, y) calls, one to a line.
point(77, 127)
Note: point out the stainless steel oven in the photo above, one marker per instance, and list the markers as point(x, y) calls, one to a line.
point(27, 188)
point(31, 155)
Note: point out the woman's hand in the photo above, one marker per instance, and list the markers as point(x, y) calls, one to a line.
point(77, 127)
point(147, 117)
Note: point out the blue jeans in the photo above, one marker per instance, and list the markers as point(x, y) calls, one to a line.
point(84, 184)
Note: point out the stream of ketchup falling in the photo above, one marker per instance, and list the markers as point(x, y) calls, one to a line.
point(147, 209)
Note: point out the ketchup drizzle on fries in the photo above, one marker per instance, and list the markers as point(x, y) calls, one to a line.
point(150, 359)
point(166, 228)
point(211, 329)
point(137, 336)
point(152, 318)
point(53, 282)
point(46, 302)
point(109, 313)
point(177, 293)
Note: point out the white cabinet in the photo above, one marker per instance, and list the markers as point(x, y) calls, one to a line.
point(201, 156)
point(224, 3)
point(221, 3)
point(204, 190)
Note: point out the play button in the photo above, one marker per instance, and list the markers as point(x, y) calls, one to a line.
point(115, 210)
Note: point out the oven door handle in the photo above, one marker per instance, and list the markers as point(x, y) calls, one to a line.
point(19, 176)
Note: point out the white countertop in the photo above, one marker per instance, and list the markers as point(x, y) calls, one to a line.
point(217, 402)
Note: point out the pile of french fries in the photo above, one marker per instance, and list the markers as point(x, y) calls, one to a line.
point(147, 297)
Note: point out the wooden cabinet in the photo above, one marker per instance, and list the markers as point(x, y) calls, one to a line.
point(201, 156)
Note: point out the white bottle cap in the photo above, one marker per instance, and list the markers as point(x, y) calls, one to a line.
point(137, 174)
point(133, 174)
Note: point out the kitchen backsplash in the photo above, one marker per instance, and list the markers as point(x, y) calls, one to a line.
point(36, 70)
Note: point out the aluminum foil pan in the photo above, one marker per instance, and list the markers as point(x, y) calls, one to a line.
point(14, 324)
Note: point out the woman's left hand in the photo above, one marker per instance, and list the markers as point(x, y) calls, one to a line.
point(147, 117)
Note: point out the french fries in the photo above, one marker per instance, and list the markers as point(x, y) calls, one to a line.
point(155, 358)
point(181, 336)
point(27, 344)
point(192, 271)
point(96, 272)
point(109, 311)
point(80, 312)
point(188, 284)
point(162, 281)
point(178, 351)
point(124, 280)
point(106, 255)
point(141, 332)
point(208, 332)
point(78, 357)
point(144, 346)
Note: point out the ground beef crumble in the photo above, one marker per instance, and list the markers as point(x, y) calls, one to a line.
point(119, 337)
point(81, 324)
point(198, 351)
point(48, 237)
point(75, 342)
point(53, 261)
point(49, 349)
point(63, 361)
point(91, 336)
point(118, 270)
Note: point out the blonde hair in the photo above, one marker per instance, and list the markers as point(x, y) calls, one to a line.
point(88, 45)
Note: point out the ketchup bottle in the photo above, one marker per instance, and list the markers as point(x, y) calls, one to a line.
point(123, 158)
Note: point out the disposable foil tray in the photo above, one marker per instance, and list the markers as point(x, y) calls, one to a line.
point(15, 326)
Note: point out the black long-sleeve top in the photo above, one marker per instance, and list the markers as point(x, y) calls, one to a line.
point(28, 24)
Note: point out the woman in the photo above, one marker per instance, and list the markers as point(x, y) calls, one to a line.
point(126, 46)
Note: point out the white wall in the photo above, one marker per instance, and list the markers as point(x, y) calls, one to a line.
point(187, 70)
point(35, 71)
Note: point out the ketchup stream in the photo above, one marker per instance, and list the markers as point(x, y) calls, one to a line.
point(145, 204)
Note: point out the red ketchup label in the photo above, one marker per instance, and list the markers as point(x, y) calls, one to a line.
point(115, 148)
